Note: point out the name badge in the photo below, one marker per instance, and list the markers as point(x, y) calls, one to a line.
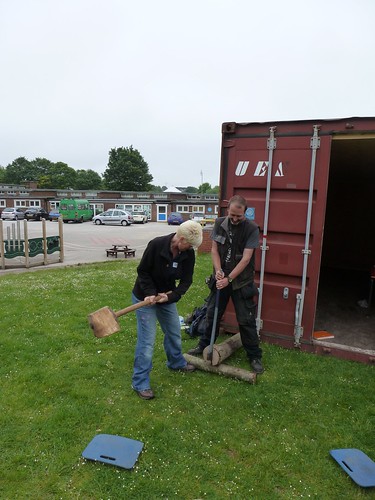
point(175, 265)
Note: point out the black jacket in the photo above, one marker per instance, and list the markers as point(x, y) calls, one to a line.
point(158, 271)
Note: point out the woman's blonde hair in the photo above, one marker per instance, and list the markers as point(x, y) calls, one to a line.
point(192, 232)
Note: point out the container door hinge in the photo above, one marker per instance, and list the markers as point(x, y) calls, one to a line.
point(272, 141)
point(315, 139)
point(298, 329)
point(298, 333)
point(259, 325)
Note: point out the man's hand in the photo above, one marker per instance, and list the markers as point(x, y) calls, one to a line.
point(162, 297)
point(222, 283)
point(219, 275)
point(151, 299)
point(157, 299)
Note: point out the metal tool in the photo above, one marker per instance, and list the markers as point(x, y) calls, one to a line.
point(213, 332)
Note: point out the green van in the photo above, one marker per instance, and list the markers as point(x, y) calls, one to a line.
point(75, 210)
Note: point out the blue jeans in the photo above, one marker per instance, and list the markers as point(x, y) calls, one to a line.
point(169, 321)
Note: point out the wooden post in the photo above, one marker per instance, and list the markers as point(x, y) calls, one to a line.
point(26, 238)
point(223, 350)
point(2, 247)
point(45, 246)
point(226, 370)
point(61, 237)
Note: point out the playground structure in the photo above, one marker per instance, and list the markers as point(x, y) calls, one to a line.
point(16, 243)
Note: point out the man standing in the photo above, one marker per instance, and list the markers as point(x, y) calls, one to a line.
point(164, 274)
point(234, 239)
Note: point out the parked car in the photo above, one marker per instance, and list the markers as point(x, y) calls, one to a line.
point(140, 217)
point(12, 213)
point(198, 217)
point(114, 216)
point(36, 213)
point(54, 214)
point(208, 219)
point(175, 218)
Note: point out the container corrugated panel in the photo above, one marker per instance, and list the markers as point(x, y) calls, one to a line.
point(283, 171)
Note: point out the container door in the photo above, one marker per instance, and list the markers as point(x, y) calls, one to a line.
point(284, 179)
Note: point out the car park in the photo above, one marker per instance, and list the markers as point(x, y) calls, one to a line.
point(36, 213)
point(175, 218)
point(12, 213)
point(140, 217)
point(114, 216)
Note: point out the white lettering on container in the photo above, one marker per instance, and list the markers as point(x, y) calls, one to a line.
point(262, 167)
point(260, 170)
point(241, 168)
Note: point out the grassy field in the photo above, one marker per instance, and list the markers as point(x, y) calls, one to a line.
point(204, 436)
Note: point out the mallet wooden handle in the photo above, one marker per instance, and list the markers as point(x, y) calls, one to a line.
point(134, 307)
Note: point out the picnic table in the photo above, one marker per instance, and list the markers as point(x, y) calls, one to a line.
point(128, 252)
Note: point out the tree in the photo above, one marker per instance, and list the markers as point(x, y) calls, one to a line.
point(20, 170)
point(207, 189)
point(58, 176)
point(191, 189)
point(42, 167)
point(127, 171)
point(204, 188)
point(49, 175)
point(87, 179)
point(156, 189)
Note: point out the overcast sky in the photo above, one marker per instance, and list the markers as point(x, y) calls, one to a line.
point(79, 77)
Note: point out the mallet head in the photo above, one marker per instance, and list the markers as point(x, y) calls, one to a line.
point(103, 322)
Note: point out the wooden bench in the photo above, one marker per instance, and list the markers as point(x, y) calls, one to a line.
point(128, 252)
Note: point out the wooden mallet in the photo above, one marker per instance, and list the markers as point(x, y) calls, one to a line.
point(104, 321)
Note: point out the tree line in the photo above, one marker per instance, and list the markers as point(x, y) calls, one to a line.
point(126, 171)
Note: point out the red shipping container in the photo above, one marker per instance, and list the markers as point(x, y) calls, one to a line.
point(310, 186)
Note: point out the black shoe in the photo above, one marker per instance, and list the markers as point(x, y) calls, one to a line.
point(196, 350)
point(256, 365)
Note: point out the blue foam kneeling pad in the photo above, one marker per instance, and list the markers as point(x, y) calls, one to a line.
point(114, 450)
point(357, 465)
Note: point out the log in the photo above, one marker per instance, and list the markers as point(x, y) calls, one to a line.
point(223, 350)
point(226, 370)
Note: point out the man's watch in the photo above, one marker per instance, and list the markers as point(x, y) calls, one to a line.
point(229, 279)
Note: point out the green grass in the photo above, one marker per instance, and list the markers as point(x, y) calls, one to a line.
point(205, 436)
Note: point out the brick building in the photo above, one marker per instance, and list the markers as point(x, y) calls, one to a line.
point(157, 205)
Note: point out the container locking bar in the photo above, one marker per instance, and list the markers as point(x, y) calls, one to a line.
point(298, 329)
point(271, 145)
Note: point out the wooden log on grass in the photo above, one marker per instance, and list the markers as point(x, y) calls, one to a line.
point(223, 369)
point(222, 351)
